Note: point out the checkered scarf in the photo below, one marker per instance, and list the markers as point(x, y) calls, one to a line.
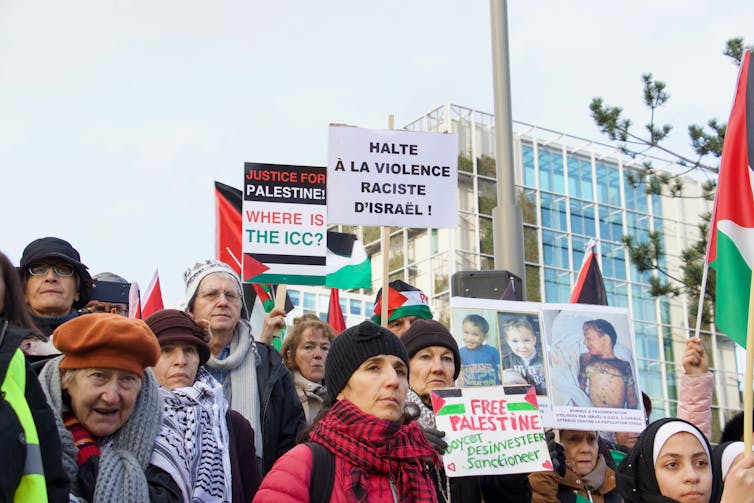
point(377, 446)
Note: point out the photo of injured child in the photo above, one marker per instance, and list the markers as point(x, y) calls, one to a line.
point(605, 378)
point(591, 358)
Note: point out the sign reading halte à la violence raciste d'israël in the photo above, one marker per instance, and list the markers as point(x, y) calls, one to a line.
point(392, 178)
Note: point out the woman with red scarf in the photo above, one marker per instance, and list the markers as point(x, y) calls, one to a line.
point(377, 457)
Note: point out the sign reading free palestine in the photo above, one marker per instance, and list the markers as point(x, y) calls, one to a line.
point(392, 178)
point(489, 432)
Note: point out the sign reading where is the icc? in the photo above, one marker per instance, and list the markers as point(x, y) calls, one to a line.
point(283, 223)
point(392, 178)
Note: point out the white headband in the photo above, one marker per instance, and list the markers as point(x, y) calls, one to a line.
point(669, 429)
point(729, 455)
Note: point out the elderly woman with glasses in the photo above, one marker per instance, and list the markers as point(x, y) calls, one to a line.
point(108, 409)
point(56, 285)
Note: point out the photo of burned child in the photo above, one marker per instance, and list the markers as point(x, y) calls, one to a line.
point(605, 378)
point(523, 350)
point(480, 361)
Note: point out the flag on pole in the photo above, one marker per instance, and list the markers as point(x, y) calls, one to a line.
point(335, 313)
point(731, 249)
point(152, 297)
point(348, 265)
point(260, 299)
point(228, 225)
point(590, 287)
point(134, 301)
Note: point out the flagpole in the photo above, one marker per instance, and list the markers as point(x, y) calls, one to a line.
point(385, 244)
point(749, 378)
point(700, 308)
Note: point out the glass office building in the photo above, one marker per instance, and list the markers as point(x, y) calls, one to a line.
point(570, 190)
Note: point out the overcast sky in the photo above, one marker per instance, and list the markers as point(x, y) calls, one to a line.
point(116, 117)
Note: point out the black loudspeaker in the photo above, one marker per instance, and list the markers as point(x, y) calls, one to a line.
point(499, 285)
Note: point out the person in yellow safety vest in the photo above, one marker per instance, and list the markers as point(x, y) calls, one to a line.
point(31, 455)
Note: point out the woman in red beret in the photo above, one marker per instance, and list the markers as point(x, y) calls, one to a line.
point(108, 409)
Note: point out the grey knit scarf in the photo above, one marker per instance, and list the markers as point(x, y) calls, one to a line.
point(125, 454)
point(241, 365)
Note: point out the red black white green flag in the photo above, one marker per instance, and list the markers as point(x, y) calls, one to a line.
point(335, 313)
point(590, 287)
point(731, 248)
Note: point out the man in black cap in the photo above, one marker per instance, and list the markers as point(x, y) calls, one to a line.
point(56, 285)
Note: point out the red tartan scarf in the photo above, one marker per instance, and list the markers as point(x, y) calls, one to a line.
point(377, 446)
point(82, 439)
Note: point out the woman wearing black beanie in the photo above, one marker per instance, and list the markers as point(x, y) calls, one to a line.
point(435, 362)
point(376, 456)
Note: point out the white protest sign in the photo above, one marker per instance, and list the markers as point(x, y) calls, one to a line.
point(489, 432)
point(392, 178)
point(284, 231)
point(580, 358)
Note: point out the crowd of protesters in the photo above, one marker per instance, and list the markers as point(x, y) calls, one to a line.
point(192, 405)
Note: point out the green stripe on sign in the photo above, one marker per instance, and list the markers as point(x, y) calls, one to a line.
point(455, 408)
point(520, 406)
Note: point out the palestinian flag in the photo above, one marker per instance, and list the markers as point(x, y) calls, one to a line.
point(347, 263)
point(402, 300)
point(260, 298)
point(731, 248)
point(335, 313)
point(228, 225)
point(590, 287)
point(152, 297)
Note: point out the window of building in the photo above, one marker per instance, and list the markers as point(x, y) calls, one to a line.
point(580, 178)
point(582, 218)
point(608, 184)
point(527, 157)
point(555, 249)
point(551, 175)
point(557, 285)
point(553, 211)
point(611, 225)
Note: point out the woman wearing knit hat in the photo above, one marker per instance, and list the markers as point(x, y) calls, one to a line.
point(435, 362)
point(214, 443)
point(376, 456)
point(108, 409)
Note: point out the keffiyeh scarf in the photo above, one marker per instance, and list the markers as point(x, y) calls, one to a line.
point(379, 447)
point(192, 445)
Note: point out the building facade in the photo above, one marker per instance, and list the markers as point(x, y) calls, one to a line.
point(570, 190)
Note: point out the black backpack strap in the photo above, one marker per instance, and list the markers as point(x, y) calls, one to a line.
point(323, 473)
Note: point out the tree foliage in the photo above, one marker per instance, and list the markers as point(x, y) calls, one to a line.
point(706, 143)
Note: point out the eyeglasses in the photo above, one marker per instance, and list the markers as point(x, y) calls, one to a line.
point(62, 269)
point(108, 307)
point(214, 295)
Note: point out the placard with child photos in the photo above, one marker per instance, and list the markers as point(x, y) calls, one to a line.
point(580, 359)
